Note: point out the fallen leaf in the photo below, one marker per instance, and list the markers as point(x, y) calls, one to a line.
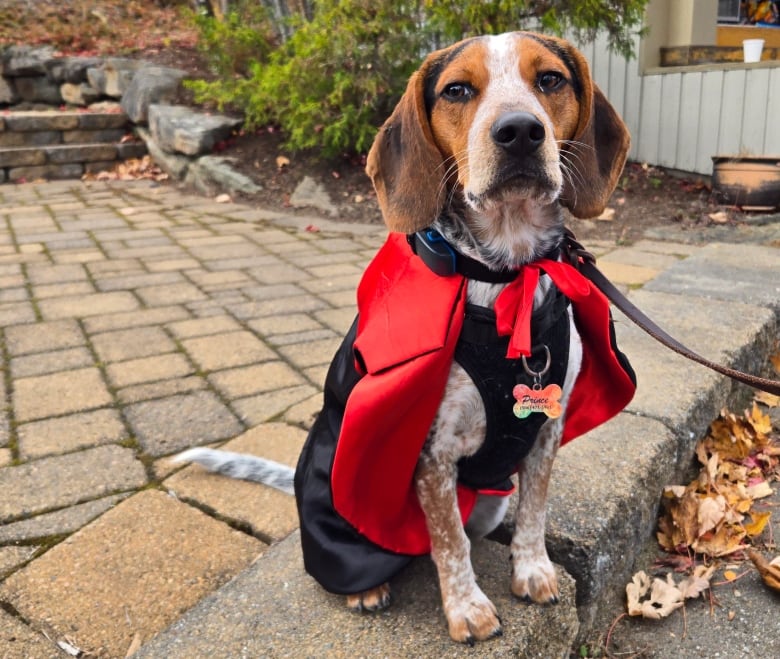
point(764, 397)
point(637, 589)
point(282, 162)
point(758, 523)
point(607, 216)
point(732, 615)
point(721, 217)
point(697, 583)
point(761, 422)
point(726, 540)
point(760, 490)
point(711, 511)
point(665, 597)
point(769, 571)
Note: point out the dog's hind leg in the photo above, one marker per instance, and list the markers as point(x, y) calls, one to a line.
point(470, 614)
point(374, 599)
point(487, 514)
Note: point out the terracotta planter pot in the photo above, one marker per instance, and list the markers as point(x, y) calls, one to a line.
point(747, 181)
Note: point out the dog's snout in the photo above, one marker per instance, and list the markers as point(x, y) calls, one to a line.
point(518, 133)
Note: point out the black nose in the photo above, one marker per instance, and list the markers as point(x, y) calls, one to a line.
point(518, 133)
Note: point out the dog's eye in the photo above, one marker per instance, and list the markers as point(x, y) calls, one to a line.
point(549, 81)
point(458, 91)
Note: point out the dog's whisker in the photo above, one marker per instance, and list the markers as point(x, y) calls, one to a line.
point(570, 169)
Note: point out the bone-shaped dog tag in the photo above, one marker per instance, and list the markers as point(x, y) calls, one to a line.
point(547, 400)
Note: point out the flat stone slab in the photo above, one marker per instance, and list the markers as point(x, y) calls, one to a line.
point(730, 272)
point(178, 128)
point(40, 120)
point(43, 337)
point(24, 60)
point(65, 480)
point(70, 69)
point(680, 392)
point(67, 520)
point(151, 84)
point(63, 434)
point(275, 609)
point(19, 642)
point(59, 393)
point(172, 424)
point(227, 350)
point(266, 512)
point(131, 572)
point(311, 193)
point(210, 174)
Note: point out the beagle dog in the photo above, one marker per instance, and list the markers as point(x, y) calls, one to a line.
point(493, 137)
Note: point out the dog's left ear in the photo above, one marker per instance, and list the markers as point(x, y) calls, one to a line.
point(405, 164)
point(597, 152)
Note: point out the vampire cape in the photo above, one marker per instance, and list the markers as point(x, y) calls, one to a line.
point(354, 484)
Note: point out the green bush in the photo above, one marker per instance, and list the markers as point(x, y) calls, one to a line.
point(230, 46)
point(345, 65)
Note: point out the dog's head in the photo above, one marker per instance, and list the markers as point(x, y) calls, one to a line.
point(501, 124)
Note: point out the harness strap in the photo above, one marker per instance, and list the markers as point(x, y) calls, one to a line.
point(580, 258)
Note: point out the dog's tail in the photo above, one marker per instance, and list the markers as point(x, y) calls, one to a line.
point(242, 466)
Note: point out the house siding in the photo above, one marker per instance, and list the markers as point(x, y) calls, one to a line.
point(682, 117)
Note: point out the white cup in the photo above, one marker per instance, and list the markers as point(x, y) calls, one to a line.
point(752, 48)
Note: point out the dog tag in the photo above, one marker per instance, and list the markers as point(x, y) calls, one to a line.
point(547, 400)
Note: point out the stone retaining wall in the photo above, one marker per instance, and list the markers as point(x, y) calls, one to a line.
point(38, 142)
point(62, 145)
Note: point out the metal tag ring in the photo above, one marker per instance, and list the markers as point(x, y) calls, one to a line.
point(537, 376)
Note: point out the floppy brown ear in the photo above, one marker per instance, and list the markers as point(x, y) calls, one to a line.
point(596, 154)
point(405, 165)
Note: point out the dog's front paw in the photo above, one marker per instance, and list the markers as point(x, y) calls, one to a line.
point(535, 581)
point(374, 599)
point(472, 618)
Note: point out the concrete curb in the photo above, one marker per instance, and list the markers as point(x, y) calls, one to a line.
point(273, 609)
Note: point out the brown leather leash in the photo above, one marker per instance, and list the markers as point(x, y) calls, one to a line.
point(580, 258)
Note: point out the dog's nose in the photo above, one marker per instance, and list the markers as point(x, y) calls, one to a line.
point(518, 133)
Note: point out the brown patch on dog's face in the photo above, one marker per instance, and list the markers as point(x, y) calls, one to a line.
point(478, 88)
point(539, 67)
point(448, 135)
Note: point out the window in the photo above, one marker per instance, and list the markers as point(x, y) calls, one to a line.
point(728, 11)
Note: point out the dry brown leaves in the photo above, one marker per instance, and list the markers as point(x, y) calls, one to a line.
point(719, 513)
point(134, 168)
point(659, 599)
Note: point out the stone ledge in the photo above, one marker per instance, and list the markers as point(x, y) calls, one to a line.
point(299, 619)
point(35, 75)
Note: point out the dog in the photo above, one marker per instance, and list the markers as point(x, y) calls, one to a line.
point(478, 349)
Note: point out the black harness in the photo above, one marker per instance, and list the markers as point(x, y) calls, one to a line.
point(482, 354)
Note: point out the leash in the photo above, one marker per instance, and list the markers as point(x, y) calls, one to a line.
point(583, 260)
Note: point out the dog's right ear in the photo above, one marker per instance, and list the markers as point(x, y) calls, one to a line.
point(405, 164)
